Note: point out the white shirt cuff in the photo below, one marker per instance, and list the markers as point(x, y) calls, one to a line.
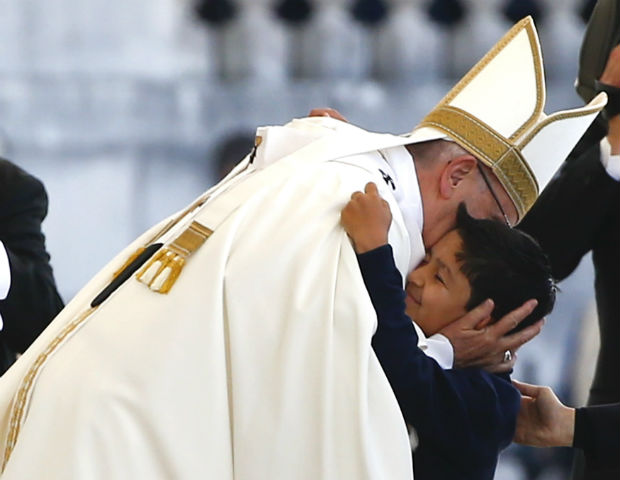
point(5, 276)
point(438, 347)
point(5, 272)
point(609, 161)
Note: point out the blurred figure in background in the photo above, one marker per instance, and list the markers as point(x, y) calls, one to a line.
point(27, 288)
point(579, 211)
point(229, 151)
point(247, 363)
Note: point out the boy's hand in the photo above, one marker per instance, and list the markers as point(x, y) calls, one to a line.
point(366, 219)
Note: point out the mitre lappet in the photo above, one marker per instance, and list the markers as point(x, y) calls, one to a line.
point(496, 112)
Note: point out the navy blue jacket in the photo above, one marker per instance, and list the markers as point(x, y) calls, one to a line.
point(463, 417)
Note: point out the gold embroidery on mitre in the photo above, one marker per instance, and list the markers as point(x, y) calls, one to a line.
point(519, 182)
point(526, 25)
point(554, 117)
point(163, 269)
point(492, 149)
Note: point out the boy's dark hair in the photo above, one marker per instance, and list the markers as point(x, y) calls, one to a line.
point(506, 265)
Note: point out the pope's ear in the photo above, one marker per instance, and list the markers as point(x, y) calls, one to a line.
point(454, 173)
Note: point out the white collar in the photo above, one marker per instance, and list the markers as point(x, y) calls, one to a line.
point(408, 196)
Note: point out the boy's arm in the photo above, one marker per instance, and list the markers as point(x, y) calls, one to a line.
point(465, 415)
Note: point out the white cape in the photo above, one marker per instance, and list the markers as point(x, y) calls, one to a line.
point(256, 365)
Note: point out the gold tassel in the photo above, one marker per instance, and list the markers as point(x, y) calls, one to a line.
point(162, 271)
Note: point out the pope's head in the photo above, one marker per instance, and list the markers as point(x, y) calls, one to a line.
point(488, 142)
point(448, 176)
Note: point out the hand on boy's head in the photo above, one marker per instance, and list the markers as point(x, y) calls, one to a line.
point(366, 219)
point(478, 344)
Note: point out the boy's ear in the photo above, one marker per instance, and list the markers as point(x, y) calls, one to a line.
point(454, 172)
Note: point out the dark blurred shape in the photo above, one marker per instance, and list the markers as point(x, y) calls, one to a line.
point(230, 151)
point(369, 12)
point(294, 11)
point(215, 12)
point(578, 212)
point(585, 12)
point(515, 10)
point(32, 300)
point(446, 13)
point(601, 36)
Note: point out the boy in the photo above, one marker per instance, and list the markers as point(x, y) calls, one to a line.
point(463, 418)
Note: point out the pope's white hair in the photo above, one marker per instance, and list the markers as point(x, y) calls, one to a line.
point(428, 153)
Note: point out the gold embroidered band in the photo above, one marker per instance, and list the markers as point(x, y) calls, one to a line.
point(492, 149)
point(128, 262)
point(162, 270)
point(159, 273)
point(22, 397)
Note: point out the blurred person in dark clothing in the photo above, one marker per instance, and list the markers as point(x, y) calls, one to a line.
point(229, 150)
point(579, 211)
point(27, 288)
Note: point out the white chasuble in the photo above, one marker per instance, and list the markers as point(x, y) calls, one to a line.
point(256, 364)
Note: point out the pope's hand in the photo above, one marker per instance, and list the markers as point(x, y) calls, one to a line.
point(478, 344)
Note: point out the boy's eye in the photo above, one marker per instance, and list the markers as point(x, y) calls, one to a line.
point(440, 279)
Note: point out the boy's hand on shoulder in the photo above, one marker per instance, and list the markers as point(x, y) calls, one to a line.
point(366, 219)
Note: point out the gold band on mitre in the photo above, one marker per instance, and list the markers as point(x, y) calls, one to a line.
point(492, 149)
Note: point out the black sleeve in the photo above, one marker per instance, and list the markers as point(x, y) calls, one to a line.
point(575, 205)
point(33, 300)
point(466, 415)
point(597, 433)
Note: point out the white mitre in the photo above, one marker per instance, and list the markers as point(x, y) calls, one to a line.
point(496, 113)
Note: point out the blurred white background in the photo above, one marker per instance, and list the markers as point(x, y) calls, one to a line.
point(120, 108)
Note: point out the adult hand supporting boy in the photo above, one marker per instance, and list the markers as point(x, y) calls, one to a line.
point(477, 344)
point(543, 420)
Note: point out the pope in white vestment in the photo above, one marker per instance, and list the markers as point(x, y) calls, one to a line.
point(257, 363)
point(234, 340)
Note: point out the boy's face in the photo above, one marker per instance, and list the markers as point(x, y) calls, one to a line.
point(437, 290)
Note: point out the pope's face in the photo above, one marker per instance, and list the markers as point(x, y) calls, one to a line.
point(490, 200)
point(437, 290)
